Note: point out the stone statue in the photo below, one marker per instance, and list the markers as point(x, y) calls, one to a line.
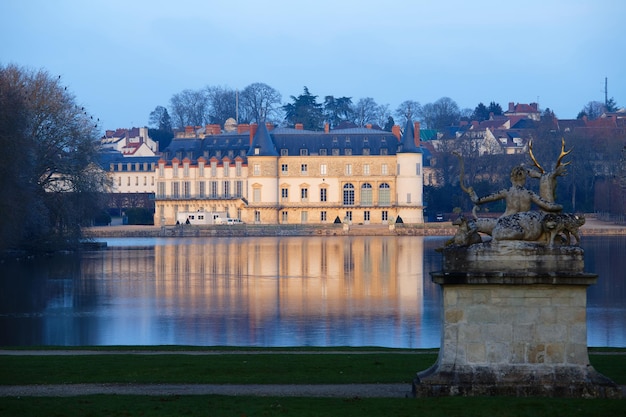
point(519, 222)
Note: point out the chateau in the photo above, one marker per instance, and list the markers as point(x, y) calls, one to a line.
point(268, 175)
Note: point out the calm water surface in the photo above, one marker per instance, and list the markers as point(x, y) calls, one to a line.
point(296, 291)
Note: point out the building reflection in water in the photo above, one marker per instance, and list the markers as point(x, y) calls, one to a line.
point(291, 291)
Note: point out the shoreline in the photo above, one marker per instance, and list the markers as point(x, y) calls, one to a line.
point(592, 227)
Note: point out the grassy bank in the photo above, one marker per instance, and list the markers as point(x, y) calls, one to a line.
point(270, 367)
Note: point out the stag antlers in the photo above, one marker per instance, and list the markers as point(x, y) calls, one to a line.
point(558, 161)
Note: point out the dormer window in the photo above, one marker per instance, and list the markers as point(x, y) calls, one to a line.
point(304, 152)
point(347, 151)
point(284, 152)
point(257, 151)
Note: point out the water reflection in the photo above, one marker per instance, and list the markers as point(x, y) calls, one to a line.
point(296, 291)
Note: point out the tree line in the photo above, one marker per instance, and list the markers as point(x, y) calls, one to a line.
point(260, 103)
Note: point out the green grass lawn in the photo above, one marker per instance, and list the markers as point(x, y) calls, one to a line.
point(353, 366)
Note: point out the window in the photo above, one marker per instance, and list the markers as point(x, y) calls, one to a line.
point(348, 169)
point(202, 188)
point(145, 180)
point(304, 152)
point(323, 169)
point(200, 168)
point(417, 169)
point(226, 168)
point(304, 168)
point(284, 168)
point(161, 170)
point(383, 151)
point(238, 188)
point(257, 169)
point(304, 195)
point(366, 216)
point(284, 217)
point(213, 189)
point(136, 180)
point(186, 189)
point(366, 169)
point(185, 169)
point(348, 195)
point(256, 195)
point(284, 194)
point(161, 189)
point(385, 215)
point(226, 187)
point(384, 194)
point(323, 216)
point(335, 152)
point(366, 151)
point(284, 152)
point(175, 170)
point(347, 151)
point(304, 217)
point(323, 193)
point(323, 151)
point(384, 170)
point(214, 168)
point(175, 189)
point(128, 181)
point(257, 216)
point(238, 168)
point(366, 194)
point(119, 181)
point(349, 216)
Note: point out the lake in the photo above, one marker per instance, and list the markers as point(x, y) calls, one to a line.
point(260, 292)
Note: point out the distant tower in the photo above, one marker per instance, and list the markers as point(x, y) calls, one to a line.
point(409, 180)
point(263, 177)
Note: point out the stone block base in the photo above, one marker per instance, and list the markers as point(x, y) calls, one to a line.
point(566, 382)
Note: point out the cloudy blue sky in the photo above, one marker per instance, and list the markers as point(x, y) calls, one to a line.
point(122, 58)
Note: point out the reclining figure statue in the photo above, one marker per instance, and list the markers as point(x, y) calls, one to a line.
point(518, 222)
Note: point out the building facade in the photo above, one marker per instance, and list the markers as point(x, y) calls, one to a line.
point(292, 176)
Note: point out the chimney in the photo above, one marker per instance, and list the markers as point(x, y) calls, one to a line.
point(416, 134)
point(253, 128)
point(327, 128)
point(396, 131)
point(368, 126)
point(299, 126)
point(243, 128)
point(511, 107)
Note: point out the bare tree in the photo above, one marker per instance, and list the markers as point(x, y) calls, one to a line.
point(222, 104)
point(441, 114)
point(408, 110)
point(365, 111)
point(260, 103)
point(189, 108)
point(52, 180)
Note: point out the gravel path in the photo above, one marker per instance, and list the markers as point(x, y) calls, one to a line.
point(337, 391)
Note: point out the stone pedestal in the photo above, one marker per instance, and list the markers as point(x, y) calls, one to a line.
point(514, 323)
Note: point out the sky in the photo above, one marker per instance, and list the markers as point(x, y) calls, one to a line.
point(123, 58)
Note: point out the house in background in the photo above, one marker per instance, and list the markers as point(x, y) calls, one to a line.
point(130, 142)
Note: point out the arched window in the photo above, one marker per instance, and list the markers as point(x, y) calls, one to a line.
point(366, 194)
point(348, 195)
point(384, 194)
